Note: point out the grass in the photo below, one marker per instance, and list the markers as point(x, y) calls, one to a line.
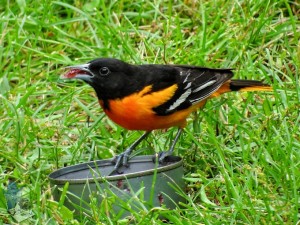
point(241, 152)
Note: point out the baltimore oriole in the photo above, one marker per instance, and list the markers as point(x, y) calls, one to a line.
point(149, 97)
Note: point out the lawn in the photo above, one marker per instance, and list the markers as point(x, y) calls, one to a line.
point(241, 152)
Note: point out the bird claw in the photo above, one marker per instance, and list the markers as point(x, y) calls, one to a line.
point(120, 160)
point(163, 155)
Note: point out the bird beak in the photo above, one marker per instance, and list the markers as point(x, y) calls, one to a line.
point(81, 72)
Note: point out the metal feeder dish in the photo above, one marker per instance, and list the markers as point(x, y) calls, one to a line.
point(143, 181)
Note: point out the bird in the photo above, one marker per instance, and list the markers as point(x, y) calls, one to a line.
point(148, 97)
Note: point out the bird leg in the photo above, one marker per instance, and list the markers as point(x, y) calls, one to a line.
point(163, 155)
point(123, 158)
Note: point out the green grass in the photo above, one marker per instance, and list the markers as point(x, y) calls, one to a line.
point(241, 153)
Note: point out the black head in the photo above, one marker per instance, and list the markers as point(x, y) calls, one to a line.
point(111, 78)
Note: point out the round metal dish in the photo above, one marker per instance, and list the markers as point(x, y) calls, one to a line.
point(142, 184)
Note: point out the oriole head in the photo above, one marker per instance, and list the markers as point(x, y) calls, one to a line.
point(111, 78)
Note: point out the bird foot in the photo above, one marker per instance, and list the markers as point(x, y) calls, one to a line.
point(162, 156)
point(120, 160)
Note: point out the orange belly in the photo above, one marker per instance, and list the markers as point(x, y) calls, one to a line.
point(135, 112)
point(136, 120)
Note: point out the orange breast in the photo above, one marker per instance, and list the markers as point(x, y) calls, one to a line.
point(134, 112)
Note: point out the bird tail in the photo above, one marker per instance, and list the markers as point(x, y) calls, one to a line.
point(242, 85)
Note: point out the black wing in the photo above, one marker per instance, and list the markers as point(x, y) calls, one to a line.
point(194, 85)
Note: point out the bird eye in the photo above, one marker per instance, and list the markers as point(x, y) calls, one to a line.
point(104, 71)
